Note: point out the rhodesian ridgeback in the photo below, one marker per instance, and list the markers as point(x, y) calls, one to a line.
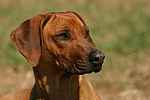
point(60, 50)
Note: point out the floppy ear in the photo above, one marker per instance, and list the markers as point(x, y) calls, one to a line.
point(27, 38)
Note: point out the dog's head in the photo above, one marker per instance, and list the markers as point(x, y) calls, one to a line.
point(60, 38)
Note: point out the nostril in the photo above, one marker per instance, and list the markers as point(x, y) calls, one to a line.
point(103, 57)
point(95, 58)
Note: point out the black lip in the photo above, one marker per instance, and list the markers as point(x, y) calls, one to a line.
point(97, 70)
point(83, 71)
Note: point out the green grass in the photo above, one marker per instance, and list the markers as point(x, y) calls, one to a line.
point(116, 27)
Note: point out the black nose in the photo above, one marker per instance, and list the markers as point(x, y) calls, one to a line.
point(96, 57)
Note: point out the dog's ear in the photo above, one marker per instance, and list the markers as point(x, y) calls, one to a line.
point(27, 38)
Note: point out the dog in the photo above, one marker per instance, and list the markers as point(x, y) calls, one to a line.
point(59, 48)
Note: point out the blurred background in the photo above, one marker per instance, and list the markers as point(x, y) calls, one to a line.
point(119, 28)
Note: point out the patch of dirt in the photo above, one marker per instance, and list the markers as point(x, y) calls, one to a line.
point(15, 79)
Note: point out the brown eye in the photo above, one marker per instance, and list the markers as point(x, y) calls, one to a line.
point(64, 36)
point(87, 34)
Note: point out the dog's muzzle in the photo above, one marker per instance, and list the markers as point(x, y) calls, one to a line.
point(92, 63)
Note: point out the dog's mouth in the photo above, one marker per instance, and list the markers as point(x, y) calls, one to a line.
point(81, 68)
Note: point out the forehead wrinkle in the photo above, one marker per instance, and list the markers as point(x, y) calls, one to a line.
point(64, 28)
point(77, 28)
point(67, 23)
point(63, 22)
point(71, 16)
point(67, 16)
point(52, 17)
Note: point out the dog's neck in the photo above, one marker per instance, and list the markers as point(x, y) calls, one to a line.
point(51, 84)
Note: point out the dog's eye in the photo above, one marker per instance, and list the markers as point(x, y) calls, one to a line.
point(63, 36)
point(87, 34)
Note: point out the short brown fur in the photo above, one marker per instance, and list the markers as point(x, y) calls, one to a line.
point(58, 61)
